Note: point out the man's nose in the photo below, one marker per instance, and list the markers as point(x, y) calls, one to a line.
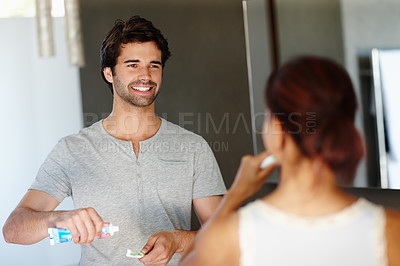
point(144, 74)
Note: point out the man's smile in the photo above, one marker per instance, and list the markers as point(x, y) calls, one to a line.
point(141, 88)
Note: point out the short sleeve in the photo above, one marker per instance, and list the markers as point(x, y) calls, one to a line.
point(207, 175)
point(52, 177)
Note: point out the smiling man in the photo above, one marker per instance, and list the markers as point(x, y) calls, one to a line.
point(145, 68)
point(133, 169)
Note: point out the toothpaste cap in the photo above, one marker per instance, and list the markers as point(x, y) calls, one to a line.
point(114, 229)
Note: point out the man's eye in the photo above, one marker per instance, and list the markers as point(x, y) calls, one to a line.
point(155, 66)
point(133, 65)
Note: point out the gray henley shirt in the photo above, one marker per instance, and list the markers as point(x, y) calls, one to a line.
point(141, 194)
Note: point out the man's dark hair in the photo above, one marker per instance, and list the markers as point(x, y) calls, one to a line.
point(136, 29)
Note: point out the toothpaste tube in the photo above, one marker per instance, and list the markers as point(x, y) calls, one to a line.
point(60, 235)
point(108, 230)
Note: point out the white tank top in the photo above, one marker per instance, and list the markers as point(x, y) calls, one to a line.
point(354, 236)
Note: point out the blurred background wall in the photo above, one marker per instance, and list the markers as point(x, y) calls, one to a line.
point(40, 102)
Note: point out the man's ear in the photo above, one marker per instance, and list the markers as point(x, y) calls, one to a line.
point(108, 74)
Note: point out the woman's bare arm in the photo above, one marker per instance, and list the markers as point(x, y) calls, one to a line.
point(393, 236)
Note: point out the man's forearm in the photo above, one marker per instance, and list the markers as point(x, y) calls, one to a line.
point(26, 226)
point(184, 238)
point(230, 203)
point(29, 222)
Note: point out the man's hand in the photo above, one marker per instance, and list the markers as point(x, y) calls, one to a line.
point(161, 246)
point(29, 222)
point(85, 224)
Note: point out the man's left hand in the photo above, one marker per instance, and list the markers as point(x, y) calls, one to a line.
point(162, 246)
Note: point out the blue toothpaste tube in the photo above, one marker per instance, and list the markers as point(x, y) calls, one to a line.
point(60, 235)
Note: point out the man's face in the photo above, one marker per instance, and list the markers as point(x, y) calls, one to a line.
point(138, 73)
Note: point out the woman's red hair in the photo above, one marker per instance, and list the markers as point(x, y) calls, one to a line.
point(315, 102)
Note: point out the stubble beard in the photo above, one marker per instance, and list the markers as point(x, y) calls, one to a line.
point(123, 92)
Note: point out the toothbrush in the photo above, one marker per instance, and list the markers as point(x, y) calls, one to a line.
point(132, 254)
point(267, 161)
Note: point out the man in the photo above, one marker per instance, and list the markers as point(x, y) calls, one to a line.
point(132, 169)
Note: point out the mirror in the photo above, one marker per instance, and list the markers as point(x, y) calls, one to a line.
point(343, 30)
point(385, 66)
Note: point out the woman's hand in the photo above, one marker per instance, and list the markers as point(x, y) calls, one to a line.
point(250, 177)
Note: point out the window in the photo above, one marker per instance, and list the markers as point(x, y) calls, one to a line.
point(26, 8)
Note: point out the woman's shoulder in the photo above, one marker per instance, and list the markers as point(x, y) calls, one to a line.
point(393, 236)
point(218, 243)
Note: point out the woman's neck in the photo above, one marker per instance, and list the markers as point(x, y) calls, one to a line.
point(308, 188)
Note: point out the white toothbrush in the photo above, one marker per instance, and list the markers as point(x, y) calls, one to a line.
point(267, 161)
point(132, 254)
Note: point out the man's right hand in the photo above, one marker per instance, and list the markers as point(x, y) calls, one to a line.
point(84, 224)
point(29, 222)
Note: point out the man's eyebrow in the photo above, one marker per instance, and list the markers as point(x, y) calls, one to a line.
point(132, 61)
point(137, 61)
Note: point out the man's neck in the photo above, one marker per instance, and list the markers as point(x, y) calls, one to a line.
point(133, 123)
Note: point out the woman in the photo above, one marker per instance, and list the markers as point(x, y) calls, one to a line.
point(307, 219)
